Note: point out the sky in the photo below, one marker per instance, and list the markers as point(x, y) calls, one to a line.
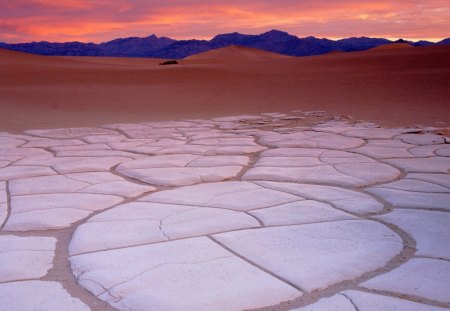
point(103, 20)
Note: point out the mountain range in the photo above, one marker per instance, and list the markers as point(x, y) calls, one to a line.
point(163, 47)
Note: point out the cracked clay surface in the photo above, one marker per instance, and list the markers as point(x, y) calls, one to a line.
point(270, 212)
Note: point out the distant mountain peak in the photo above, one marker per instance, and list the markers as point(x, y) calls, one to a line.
point(162, 47)
point(277, 36)
point(228, 35)
point(276, 33)
point(445, 41)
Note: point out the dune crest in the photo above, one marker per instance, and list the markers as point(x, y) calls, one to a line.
point(392, 46)
point(231, 54)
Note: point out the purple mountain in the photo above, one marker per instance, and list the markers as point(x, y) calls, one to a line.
point(162, 47)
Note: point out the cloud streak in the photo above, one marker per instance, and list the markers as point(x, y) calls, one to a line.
point(102, 20)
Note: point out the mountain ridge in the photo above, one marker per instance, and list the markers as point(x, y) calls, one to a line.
point(163, 47)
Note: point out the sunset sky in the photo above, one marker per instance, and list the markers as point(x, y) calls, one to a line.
point(103, 20)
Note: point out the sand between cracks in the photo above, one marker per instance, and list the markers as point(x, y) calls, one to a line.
point(249, 212)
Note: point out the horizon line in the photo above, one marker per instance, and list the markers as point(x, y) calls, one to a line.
point(390, 38)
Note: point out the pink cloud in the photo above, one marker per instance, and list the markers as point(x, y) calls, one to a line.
point(102, 20)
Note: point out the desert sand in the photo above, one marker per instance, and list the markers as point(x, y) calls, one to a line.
point(392, 46)
point(394, 87)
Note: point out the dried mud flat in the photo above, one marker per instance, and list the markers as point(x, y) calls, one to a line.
point(299, 211)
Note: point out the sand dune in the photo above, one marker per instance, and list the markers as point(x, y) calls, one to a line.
point(404, 86)
point(233, 54)
point(391, 46)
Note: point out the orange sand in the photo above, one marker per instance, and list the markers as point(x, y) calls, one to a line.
point(395, 87)
point(392, 46)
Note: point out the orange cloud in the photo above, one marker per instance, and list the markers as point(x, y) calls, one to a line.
point(101, 20)
point(68, 4)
